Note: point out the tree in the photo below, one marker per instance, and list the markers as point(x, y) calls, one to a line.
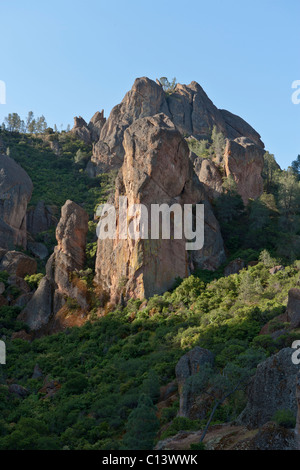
point(41, 125)
point(288, 198)
point(29, 120)
point(13, 122)
point(218, 142)
point(270, 170)
point(168, 87)
point(142, 426)
point(296, 167)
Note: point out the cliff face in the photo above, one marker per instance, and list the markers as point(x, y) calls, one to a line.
point(156, 170)
point(15, 193)
point(68, 257)
point(194, 115)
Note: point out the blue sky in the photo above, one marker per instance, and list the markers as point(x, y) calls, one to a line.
point(66, 58)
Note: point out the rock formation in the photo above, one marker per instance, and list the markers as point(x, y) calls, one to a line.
point(40, 218)
point(15, 193)
point(156, 170)
point(89, 133)
point(187, 366)
point(293, 308)
point(194, 115)
point(17, 263)
point(61, 281)
point(244, 162)
point(272, 388)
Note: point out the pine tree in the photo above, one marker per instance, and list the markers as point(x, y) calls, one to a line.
point(142, 426)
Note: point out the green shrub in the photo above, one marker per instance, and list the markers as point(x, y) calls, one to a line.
point(285, 418)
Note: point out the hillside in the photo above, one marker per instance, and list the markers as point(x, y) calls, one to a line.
point(103, 334)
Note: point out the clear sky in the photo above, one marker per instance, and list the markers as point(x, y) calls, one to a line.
point(69, 57)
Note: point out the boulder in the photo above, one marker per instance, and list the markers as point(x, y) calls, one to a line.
point(244, 161)
point(234, 267)
point(39, 250)
point(272, 388)
point(37, 372)
point(293, 308)
point(17, 263)
point(18, 390)
point(276, 269)
point(40, 218)
point(274, 437)
point(187, 366)
point(15, 193)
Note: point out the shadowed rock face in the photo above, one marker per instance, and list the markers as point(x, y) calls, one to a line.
point(156, 170)
point(68, 256)
point(15, 193)
point(293, 308)
point(187, 366)
point(272, 388)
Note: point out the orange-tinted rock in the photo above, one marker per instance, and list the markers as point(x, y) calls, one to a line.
point(244, 162)
point(60, 280)
point(156, 170)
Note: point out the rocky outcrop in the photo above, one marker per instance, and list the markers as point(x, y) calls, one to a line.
point(90, 132)
point(237, 127)
point(190, 110)
point(272, 388)
point(234, 267)
point(40, 218)
point(15, 193)
point(244, 162)
point(293, 308)
point(187, 366)
point(17, 263)
point(210, 176)
point(61, 281)
point(297, 431)
point(156, 170)
point(274, 437)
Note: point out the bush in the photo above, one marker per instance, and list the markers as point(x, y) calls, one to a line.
point(285, 418)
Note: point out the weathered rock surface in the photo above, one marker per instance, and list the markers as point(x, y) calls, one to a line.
point(190, 110)
point(60, 281)
point(15, 193)
point(156, 170)
point(274, 437)
point(297, 430)
point(40, 218)
point(81, 130)
point(210, 175)
point(272, 388)
point(234, 267)
point(39, 250)
point(16, 262)
point(90, 132)
point(237, 127)
point(187, 366)
point(293, 308)
point(244, 162)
